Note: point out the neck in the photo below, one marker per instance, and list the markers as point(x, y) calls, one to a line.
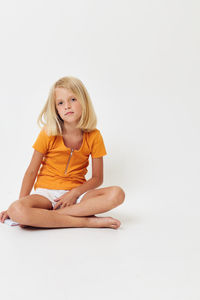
point(71, 130)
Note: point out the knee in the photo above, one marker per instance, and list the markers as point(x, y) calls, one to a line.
point(16, 211)
point(118, 194)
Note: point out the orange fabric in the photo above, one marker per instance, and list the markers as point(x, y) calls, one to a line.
point(52, 171)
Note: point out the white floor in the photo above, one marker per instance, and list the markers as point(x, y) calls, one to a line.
point(151, 256)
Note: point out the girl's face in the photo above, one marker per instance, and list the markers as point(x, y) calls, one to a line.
point(67, 105)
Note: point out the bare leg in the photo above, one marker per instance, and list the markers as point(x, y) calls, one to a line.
point(93, 205)
point(37, 217)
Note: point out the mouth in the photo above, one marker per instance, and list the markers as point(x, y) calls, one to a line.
point(69, 113)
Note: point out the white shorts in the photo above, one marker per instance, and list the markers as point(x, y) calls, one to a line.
point(54, 194)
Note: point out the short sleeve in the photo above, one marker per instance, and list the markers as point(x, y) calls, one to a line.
point(98, 148)
point(42, 142)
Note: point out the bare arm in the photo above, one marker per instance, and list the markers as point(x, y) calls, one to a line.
point(30, 174)
point(95, 181)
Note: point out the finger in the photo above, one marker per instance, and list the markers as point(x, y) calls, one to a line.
point(57, 205)
point(1, 216)
point(5, 217)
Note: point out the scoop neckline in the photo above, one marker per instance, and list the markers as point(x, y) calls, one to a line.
point(71, 148)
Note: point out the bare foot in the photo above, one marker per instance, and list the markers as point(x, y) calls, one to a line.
point(108, 222)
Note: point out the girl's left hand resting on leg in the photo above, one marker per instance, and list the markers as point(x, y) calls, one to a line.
point(67, 199)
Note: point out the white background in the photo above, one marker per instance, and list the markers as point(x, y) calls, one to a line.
point(139, 61)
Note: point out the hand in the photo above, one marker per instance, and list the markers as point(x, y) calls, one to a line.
point(3, 216)
point(66, 199)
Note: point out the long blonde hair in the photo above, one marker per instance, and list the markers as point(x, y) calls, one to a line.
point(53, 124)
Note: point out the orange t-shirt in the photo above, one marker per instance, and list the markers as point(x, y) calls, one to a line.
point(64, 168)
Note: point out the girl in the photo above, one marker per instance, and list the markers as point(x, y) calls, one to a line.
point(62, 197)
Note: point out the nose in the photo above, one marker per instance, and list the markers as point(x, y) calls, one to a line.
point(67, 105)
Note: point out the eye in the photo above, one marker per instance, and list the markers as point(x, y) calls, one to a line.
point(73, 99)
point(60, 102)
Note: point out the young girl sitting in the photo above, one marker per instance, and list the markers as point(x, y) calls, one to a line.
point(62, 197)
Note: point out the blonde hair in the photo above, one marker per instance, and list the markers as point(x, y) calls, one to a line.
point(53, 124)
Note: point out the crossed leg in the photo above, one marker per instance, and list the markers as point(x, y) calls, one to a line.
point(35, 210)
point(95, 202)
